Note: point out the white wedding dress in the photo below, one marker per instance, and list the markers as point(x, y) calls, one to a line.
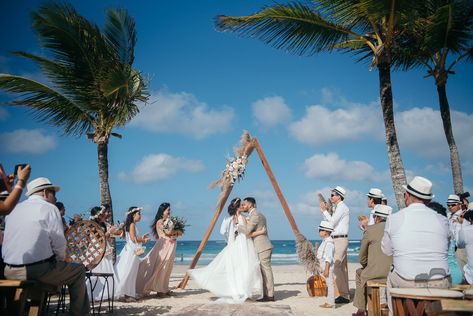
point(235, 274)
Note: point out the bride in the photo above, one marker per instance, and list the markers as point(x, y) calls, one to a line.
point(234, 275)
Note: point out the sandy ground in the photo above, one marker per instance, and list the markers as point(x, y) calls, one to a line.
point(290, 294)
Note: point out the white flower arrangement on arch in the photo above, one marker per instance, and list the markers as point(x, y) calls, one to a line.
point(235, 168)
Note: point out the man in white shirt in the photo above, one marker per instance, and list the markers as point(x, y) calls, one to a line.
point(455, 221)
point(34, 246)
point(340, 221)
point(417, 239)
point(465, 240)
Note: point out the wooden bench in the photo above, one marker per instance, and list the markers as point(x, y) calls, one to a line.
point(420, 301)
point(373, 294)
point(23, 297)
point(450, 307)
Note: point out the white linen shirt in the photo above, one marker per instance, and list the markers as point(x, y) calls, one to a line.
point(454, 225)
point(325, 252)
point(417, 239)
point(371, 219)
point(33, 232)
point(465, 240)
point(340, 219)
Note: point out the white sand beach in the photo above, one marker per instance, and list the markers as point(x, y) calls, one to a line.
point(290, 293)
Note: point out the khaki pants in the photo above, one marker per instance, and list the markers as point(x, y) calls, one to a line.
point(57, 274)
point(360, 299)
point(341, 266)
point(395, 280)
point(267, 272)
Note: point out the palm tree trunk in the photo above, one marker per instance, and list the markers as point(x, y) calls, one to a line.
point(398, 175)
point(447, 127)
point(105, 197)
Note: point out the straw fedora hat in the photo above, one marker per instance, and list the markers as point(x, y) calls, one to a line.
point(453, 199)
point(324, 225)
point(340, 191)
point(40, 184)
point(420, 187)
point(382, 210)
point(375, 193)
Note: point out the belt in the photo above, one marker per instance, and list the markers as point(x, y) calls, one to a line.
point(340, 236)
point(50, 259)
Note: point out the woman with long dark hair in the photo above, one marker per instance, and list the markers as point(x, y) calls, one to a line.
point(235, 274)
point(155, 269)
point(128, 261)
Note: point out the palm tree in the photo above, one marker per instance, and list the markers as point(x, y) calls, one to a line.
point(366, 28)
point(440, 39)
point(92, 87)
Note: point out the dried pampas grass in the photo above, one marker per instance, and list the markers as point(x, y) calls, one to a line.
point(307, 253)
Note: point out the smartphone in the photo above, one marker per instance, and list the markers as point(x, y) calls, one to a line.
point(22, 165)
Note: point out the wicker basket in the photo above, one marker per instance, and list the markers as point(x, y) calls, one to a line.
point(316, 286)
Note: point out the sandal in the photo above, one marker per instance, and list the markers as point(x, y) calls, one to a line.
point(326, 305)
point(161, 295)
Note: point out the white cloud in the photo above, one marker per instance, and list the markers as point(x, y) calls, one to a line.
point(321, 125)
point(182, 113)
point(32, 141)
point(271, 111)
point(3, 114)
point(332, 167)
point(159, 167)
point(421, 131)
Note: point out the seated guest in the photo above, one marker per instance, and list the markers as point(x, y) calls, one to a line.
point(34, 246)
point(465, 240)
point(374, 263)
point(417, 239)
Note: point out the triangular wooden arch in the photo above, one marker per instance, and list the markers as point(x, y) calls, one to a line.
point(247, 144)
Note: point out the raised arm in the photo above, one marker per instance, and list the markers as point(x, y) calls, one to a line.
point(10, 202)
point(248, 226)
point(335, 218)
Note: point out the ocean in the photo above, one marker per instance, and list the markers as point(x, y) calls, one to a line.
point(284, 252)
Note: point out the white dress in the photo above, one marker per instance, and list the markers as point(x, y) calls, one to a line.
point(105, 266)
point(235, 274)
point(127, 269)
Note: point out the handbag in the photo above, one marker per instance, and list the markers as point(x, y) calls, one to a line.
point(140, 251)
point(316, 286)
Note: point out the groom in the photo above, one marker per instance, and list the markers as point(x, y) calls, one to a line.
point(263, 246)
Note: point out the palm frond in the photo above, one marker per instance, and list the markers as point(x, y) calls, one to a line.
point(47, 104)
point(120, 31)
point(294, 27)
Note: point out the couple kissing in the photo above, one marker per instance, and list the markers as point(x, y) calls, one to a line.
point(242, 270)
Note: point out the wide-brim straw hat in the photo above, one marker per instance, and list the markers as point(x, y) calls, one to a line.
point(40, 184)
point(420, 187)
point(325, 225)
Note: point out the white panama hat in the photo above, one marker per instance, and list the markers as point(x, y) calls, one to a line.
point(375, 193)
point(382, 210)
point(420, 187)
point(453, 199)
point(40, 184)
point(340, 191)
point(327, 226)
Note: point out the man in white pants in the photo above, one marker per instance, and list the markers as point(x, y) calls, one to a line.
point(340, 219)
point(417, 239)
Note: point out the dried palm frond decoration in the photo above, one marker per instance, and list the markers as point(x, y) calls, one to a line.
point(330, 206)
point(307, 253)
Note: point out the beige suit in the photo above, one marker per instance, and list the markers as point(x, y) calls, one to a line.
point(264, 248)
point(375, 264)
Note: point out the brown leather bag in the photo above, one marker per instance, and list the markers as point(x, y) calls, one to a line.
point(316, 286)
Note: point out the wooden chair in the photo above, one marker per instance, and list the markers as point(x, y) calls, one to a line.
point(86, 244)
point(373, 288)
point(418, 301)
point(451, 307)
point(26, 297)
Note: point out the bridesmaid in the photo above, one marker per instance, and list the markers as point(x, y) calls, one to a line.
point(155, 269)
point(128, 261)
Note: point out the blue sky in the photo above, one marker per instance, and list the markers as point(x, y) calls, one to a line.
point(317, 118)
